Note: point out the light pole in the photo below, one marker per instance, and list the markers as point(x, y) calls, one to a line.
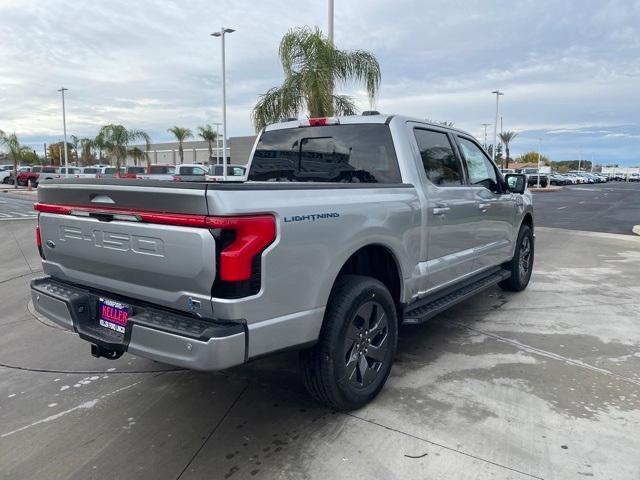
point(539, 156)
point(330, 21)
point(485, 125)
point(223, 31)
point(64, 127)
point(495, 126)
point(217, 124)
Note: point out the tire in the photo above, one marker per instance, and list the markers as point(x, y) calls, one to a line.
point(523, 257)
point(350, 363)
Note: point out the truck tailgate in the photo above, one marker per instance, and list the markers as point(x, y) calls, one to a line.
point(173, 265)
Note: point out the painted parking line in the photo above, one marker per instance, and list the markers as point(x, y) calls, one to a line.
point(560, 208)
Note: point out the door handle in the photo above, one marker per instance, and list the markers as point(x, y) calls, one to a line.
point(441, 209)
point(484, 206)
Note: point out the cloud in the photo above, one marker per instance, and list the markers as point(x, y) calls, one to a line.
point(568, 69)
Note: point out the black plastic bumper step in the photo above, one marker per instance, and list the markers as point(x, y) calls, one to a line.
point(429, 307)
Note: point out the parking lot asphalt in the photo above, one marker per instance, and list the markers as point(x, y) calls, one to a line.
point(539, 384)
point(14, 207)
point(612, 207)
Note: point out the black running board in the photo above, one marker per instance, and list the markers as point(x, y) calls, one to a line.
point(428, 307)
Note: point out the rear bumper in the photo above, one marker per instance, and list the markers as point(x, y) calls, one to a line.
point(151, 332)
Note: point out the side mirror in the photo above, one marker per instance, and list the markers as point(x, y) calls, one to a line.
point(517, 182)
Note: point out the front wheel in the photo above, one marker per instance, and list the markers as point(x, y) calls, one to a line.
point(350, 363)
point(521, 265)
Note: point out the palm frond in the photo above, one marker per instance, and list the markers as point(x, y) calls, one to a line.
point(343, 105)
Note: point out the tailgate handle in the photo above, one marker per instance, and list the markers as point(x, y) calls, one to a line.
point(101, 199)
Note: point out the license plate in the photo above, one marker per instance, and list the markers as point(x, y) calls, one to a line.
point(113, 315)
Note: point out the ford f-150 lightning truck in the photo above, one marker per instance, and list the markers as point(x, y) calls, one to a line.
point(345, 228)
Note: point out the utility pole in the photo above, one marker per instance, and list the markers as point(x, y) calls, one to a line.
point(217, 124)
point(64, 126)
point(330, 21)
point(223, 31)
point(45, 153)
point(485, 125)
point(497, 93)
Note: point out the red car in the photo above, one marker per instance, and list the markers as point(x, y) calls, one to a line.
point(34, 175)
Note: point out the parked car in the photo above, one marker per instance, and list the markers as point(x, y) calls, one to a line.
point(5, 172)
point(108, 172)
point(557, 179)
point(90, 172)
point(132, 171)
point(364, 233)
point(36, 174)
point(235, 173)
point(633, 177)
point(158, 172)
point(190, 172)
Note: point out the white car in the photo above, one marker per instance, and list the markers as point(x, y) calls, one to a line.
point(5, 172)
point(158, 172)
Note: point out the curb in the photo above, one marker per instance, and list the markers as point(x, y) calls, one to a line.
point(545, 189)
point(636, 229)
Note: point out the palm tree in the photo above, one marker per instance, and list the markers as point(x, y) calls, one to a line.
point(116, 139)
point(312, 67)
point(75, 141)
point(181, 135)
point(207, 134)
point(139, 155)
point(86, 145)
point(15, 151)
point(505, 138)
point(98, 143)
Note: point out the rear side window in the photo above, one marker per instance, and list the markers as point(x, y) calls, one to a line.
point(36, 169)
point(192, 171)
point(90, 170)
point(135, 169)
point(162, 169)
point(439, 162)
point(48, 170)
point(361, 153)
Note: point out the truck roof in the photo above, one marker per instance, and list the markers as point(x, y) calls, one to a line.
point(359, 119)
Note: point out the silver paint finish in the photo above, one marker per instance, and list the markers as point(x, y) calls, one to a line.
point(52, 308)
point(437, 236)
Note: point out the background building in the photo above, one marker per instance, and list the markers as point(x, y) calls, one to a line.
point(238, 151)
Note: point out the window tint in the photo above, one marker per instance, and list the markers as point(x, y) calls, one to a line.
point(439, 162)
point(332, 153)
point(481, 170)
point(135, 169)
point(48, 170)
point(231, 171)
point(109, 170)
point(36, 169)
point(192, 171)
point(162, 169)
point(90, 170)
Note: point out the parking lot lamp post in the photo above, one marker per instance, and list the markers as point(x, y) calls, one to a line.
point(485, 125)
point(497, 93)
point(223, 31)
point(539, 157)
point(330, 21)
point(64, 127)
point(217, 124)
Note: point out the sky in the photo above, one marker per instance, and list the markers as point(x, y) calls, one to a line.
point(570, 69)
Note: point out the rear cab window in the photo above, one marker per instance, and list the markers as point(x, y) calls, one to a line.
point(162, 170)
point(348, 153)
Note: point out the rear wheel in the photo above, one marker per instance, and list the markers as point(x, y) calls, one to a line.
point(521, 265)
point(352, 359)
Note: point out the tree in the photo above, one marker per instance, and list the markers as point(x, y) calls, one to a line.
point(181, 135)
point(506, 137)
point(86, 147)
point(532, 157)
point(117, 138)
point(498, 157)
point(98, 143)
point(139, 155)
point(312, 67)
point(16, 152)
point(56, 153)
point(75, 141)
point(209, 135)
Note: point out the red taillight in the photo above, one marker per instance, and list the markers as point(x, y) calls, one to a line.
point(253, 233)
point(176, 178)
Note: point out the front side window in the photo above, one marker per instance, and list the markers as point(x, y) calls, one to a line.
point(481, 170)
point(438, 159)
point(192, 171)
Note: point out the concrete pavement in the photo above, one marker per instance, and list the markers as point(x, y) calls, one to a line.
point(541, 384)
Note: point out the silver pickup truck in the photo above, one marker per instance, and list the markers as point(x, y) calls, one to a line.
point(345, 228)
